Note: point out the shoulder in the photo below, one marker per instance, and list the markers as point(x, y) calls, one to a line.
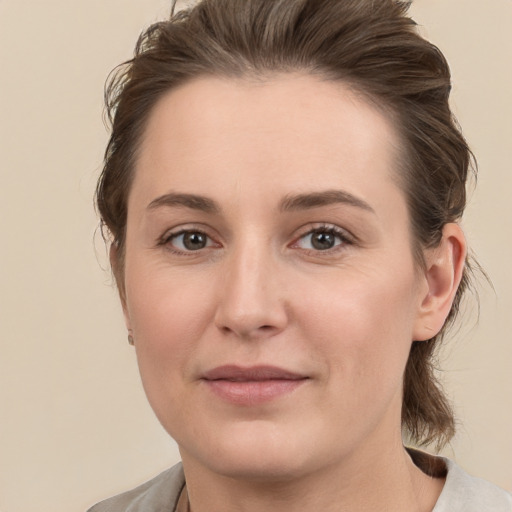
point(466, 493)
point(157, 495)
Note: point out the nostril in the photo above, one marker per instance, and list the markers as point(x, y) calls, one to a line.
point(262, 330)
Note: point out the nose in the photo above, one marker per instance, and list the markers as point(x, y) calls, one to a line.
point(251, 303)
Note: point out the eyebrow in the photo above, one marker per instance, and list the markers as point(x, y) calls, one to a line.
point(323, 198)
point(289, 203)
point(191, 201)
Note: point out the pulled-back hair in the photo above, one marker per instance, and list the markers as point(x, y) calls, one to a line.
point(370, 45)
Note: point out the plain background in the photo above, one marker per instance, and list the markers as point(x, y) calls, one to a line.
point(74, 423)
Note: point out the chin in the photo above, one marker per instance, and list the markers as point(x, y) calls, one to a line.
point(255, 453)
point(260, 467)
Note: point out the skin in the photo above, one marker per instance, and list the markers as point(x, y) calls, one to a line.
point(260, 293)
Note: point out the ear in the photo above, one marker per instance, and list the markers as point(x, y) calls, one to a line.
point(443, 272)
point(116, 264)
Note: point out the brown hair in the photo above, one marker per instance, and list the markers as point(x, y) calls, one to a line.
point(372, 46)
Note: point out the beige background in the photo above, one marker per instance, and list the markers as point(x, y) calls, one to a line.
point(74, 424)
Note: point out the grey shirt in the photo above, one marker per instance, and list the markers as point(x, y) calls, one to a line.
point(461, 493)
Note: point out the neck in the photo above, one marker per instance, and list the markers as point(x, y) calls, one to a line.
point(380, 479)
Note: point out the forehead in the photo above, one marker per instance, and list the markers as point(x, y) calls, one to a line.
point(289, 131)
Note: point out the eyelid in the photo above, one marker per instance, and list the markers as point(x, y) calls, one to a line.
point(184, 228)
point(346, 237)
point(169, 234)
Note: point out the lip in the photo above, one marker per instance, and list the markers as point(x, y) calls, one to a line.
point(251, 385)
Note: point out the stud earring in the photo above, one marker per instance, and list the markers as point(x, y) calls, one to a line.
point(131, 341)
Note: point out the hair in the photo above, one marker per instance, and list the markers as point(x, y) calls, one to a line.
point(372, 46)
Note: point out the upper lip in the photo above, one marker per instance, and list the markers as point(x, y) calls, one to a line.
point(252, 373)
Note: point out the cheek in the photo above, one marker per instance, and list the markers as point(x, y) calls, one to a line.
point(363, 324)
point(166, 305)
point(168, 314)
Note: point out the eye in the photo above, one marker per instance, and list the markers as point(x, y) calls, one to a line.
point(189, 240)
point(322, 239)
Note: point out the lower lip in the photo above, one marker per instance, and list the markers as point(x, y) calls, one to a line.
point(253, 392)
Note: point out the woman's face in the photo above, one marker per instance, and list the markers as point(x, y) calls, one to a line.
point(270, 284)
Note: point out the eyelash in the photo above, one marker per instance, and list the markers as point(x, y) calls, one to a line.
point(343, 237)
point(168, 237)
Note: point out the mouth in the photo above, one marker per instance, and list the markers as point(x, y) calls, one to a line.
point(252, 385)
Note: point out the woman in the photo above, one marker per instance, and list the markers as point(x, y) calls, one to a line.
point(282, 189)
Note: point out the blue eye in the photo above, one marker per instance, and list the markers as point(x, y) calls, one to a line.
point(321, 239)
point(189, 240)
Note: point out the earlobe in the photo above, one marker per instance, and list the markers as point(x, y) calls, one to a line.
point(443, 273)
